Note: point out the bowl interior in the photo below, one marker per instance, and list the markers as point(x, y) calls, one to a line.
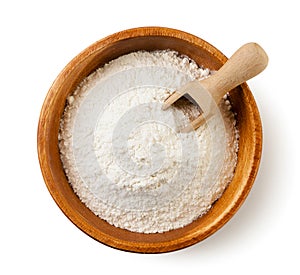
point(152, 38)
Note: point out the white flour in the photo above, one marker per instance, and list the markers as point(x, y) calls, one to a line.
point(123, 156)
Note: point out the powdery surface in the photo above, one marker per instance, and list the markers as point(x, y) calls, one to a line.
point(123, 156)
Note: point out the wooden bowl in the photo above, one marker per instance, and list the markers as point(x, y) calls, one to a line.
point(96, 55)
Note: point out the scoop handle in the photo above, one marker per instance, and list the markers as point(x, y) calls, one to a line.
point(247, 62)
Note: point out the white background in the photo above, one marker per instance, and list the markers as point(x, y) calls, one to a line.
point(39, 38)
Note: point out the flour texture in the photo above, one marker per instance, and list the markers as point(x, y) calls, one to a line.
point(127, 160)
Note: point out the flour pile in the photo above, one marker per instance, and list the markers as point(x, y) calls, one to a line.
point(125, 158)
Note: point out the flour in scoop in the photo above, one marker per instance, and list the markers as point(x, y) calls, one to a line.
point(128, 161)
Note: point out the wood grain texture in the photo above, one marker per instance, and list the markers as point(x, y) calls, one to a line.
point(99, 53)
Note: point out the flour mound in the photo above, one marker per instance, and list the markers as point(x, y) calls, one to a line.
point(125, 158)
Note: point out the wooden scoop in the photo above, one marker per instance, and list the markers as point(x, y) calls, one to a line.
point(247, 62)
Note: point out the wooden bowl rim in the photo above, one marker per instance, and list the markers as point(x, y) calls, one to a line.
point(195, 235)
